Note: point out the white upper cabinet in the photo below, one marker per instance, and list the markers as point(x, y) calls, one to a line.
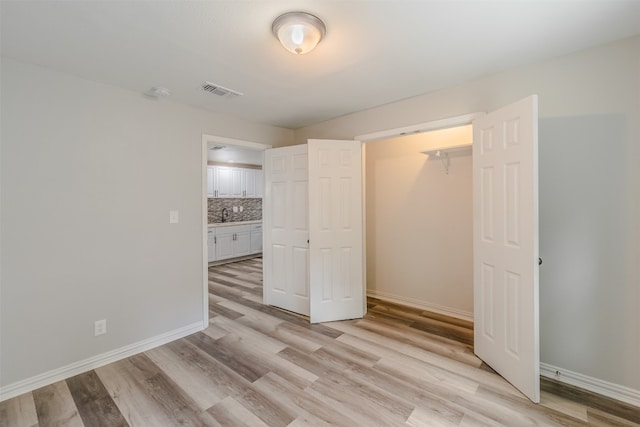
point(259, 183)
point(237, 182)
point(232, 182)
point(251, 182)
point(223, 181)
point(210, 182)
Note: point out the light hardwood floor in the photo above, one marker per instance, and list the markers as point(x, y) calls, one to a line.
point(260, 366)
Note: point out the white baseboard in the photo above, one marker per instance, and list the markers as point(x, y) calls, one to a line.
point(614, 391)
point(424, 305)
point(94, 362)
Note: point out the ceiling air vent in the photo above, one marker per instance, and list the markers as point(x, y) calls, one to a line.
point(220, 90)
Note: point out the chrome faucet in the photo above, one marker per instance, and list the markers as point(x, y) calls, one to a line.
point(225, 214)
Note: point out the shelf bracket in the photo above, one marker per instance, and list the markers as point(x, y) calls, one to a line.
point(444, 158)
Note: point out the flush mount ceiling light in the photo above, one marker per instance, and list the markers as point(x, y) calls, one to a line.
point(299, 32)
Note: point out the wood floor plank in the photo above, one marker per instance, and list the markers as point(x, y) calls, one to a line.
point(265, 360)
point(136, 406)
point(536, 413)
point(19, 411)
point(182, 364)
point(230, 413)
point(421, 417)
point(275, 330)
point(564, 405)
point(231, 283)
point(216, 349)
point(422, 313)
point(257, 338)
point(601, 418)
point(257, 366)
point(428, 324)
point(390, 348)
point(147, 396)
point(239, 278)
point(309, 409)
point(366, 405)
point(224, 380)
point(94, 404)
point(55, 406)
point(221, 310)
point(265, 407)
point(410, 391)
point(417, 338)
point(604, 404)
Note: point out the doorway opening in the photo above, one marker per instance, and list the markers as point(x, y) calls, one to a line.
point(419, 220)
point(232, 184)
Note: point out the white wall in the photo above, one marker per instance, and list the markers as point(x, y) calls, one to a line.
point(89, 174)
point(589, 195)
point(420, 222)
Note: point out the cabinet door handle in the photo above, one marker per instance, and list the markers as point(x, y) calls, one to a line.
point(215, 240)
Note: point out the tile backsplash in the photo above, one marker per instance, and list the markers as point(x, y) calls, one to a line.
point(252, 210)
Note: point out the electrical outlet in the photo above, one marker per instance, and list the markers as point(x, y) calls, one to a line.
point(173, 217)
point(235, 209)
point(241, 209)
point(100, 327)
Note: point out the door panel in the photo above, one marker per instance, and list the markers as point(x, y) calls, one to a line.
point(505, 181)
point(286, 233)
point(335, 227)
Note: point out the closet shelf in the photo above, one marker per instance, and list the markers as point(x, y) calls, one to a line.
point(439, 152)
point(442, 153)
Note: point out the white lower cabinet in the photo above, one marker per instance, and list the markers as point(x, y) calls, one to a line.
point(211, 244)
point(256, 238)
point(242, 243)
point(233, 241)
point(224, 243)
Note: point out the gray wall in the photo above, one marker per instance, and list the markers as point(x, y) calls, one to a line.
point(589, 195)
point(89, 174)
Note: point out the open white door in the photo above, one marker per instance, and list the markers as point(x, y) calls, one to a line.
point(505, 243)
point(286, 229)
point(335, 230)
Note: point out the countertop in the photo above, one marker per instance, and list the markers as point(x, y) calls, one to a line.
point(226, 224)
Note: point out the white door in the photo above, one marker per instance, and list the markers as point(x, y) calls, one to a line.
point(505, 243)
point(335, 230)
point(286, 229)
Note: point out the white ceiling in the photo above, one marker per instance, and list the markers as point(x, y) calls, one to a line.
point(234, 154)
point(375, 52)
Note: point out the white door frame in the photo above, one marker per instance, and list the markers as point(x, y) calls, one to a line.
point(450, 122)
point(206, 139)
